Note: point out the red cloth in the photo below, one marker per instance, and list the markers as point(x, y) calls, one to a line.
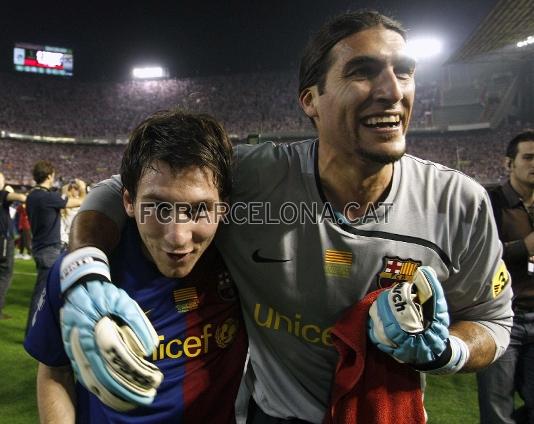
point(370, 387)
point(24, 222)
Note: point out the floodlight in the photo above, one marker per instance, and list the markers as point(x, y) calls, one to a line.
point(424, 47)
point(526, 41)
point(148, 72)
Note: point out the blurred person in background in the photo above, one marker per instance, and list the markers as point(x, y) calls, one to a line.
point(7, 242)
point(44, 206)
point(23, 226)
point(69, 191)
point(513, 207)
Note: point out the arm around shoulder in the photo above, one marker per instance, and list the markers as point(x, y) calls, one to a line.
point(73, 202)
point(16, 197)
point(92, 228)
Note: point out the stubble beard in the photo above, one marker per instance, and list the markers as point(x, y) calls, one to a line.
point(380, 158)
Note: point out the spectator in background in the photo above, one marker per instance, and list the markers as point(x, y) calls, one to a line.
point(513, 207)
point(69, 191)
point(23, 226)
point(44, 206)
point(7, 243)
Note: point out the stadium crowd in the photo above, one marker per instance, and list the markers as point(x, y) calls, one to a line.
point(475, 153)
point(263, 103)
point(246, 104)
point(90, 162)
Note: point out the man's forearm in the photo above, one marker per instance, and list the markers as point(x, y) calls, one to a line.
point(16, 197)
point(481, 345)
point(55, 395)
point(91, 228)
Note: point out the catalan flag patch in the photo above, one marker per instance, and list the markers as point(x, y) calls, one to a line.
point(337, 263)
point(186, 299)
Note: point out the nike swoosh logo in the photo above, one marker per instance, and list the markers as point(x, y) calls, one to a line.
point(262, 259)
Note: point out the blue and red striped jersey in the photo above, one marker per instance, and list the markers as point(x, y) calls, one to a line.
point(203, 343)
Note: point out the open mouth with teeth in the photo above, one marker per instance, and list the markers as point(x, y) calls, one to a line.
point(385, 121)
point(176, 256)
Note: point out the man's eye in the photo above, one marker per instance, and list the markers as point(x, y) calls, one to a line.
point(361, 72)
point(193, 214)
point(404, 72)
point(163, 210)
point(201, 212)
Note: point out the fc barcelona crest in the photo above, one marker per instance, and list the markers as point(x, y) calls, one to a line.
point(396, 270)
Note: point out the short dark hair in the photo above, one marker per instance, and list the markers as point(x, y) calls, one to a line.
point(41, 170)
point(181, 140)
point(316, 58)
point(511, 149)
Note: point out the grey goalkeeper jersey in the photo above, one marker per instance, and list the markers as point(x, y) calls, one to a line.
point(298, 265)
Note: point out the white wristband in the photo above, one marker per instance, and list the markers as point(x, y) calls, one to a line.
point(84, 262)
point(459, 357)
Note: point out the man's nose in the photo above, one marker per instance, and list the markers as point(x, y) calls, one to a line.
point(387, 88)
point(179, 233)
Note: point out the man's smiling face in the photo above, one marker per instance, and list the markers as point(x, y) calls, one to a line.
point(368, 96)
point(176, 241)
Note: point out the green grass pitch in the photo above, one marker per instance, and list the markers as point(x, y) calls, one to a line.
point(448, 399)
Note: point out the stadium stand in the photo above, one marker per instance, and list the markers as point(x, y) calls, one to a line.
point(92, 163)
point(245, 103)
point(476, 153)
point(96, 117)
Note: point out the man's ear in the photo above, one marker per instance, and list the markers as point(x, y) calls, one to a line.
point(508, 163)
point(308, 101)
point(128, 204)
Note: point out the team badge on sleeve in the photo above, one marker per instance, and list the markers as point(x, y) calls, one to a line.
point(500, 279)
point(396, 270)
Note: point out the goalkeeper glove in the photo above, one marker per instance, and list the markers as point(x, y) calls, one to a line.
point(410, 321)
point(106, 334)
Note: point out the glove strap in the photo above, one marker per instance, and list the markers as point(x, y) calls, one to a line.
point(452, 360)
point(85, 264)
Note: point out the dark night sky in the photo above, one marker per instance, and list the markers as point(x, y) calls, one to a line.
point(205, 37)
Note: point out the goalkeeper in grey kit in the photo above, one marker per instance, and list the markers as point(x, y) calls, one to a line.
point(432, 236)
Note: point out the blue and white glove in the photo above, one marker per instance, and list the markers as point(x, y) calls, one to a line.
point(410, 322)
point(106, 334)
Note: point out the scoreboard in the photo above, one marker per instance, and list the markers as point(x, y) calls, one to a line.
point(41, 59)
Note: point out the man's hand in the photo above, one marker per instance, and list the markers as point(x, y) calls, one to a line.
point(106, 334)
point(410, 322)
